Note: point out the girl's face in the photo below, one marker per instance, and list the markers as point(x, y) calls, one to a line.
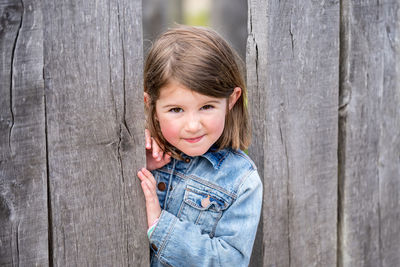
point(190, 121)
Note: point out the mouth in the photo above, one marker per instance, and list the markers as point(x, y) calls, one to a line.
point(193, 140)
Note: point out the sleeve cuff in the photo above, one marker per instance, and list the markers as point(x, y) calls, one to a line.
point(158, 237)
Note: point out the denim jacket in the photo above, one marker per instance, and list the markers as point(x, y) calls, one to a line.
point(211, 206)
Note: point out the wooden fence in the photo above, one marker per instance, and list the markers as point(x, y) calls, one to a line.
point(324, 93)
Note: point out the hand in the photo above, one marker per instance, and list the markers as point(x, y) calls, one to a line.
point(148, 183)
point(155, 157)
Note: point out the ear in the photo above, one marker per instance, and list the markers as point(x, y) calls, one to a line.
point(146, 99)
point(237, 92)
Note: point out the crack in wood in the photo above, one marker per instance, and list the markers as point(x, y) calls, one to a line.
point(256, 62)
point(49, 204)
point(17, 243)
point(122, 123)
point(342, 120)
point(291, 39)
point(119, 154)
point(21, 11)
point(123, 72)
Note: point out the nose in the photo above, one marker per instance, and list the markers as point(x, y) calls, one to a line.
point(193, 123)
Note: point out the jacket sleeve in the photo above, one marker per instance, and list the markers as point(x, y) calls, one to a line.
point(181, 243)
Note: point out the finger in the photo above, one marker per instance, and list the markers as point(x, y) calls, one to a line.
point(147, 138)
point(167, 157)
point(151, 198)
point(153, 209)
point(156, 149)
point(144, 175)
point(149, 176)
point(141, 176)
point(160, 155)
point(165, 160)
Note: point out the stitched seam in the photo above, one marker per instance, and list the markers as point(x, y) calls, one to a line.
point(170, 230)
point(209, 184)
point(181, 209)
point(199, 217)
point(244, 178)
point(201, 181)
point(214, 196)
point(247, 158)
point(216, 165)
point(215, 224)
point(222, 159)
point(164, 262)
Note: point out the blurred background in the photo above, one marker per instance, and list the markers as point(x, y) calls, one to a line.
point(227, 17)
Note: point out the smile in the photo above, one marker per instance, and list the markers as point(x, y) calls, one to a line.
point(193, 140)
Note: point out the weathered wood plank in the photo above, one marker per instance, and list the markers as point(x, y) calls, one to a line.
point(293, 54)
point(369, 134)
point(23, 179)
point(93, 85)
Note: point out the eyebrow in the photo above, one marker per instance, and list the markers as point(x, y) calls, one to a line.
point(170, 106)
point(177, 105)
point(212, 101)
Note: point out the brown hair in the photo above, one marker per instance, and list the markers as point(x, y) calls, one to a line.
point(201, 60)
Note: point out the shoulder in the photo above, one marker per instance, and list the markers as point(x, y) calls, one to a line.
point(249, 177)
point(232, 168)
point(238, 161)
point(242, 158)
point(229, 159)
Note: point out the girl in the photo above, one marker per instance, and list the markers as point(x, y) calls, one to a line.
point(203, 194)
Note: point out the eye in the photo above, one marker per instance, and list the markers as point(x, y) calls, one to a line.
point(175, 110)
point(206, 107)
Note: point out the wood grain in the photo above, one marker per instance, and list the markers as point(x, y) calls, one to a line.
point(93, 69)
point(23, 178)
point(293, 55)
point(369, 150)
point(325, 108)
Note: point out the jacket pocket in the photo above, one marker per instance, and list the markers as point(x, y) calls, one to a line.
point(204, 207)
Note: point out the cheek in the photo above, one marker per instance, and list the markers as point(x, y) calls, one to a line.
point(169, 130)
point(217, 125)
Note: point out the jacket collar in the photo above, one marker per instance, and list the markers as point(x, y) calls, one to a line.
point(215, 157)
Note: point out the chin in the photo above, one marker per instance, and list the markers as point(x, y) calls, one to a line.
point(194, 152)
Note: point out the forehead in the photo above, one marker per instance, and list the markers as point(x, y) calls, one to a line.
point(175, 92)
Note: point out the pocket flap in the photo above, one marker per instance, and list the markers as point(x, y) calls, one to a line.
point(204, 199)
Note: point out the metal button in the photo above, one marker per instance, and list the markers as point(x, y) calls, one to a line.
point(161, 186)
point(187, 160)
point(154, 247)
point(205, 202)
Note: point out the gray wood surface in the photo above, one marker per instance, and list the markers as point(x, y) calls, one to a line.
point(325, 107)
point(369, 134)
point(23, 179)
point(93, 78)
point(293, 55)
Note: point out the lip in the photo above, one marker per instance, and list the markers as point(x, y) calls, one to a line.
point(194, 140)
